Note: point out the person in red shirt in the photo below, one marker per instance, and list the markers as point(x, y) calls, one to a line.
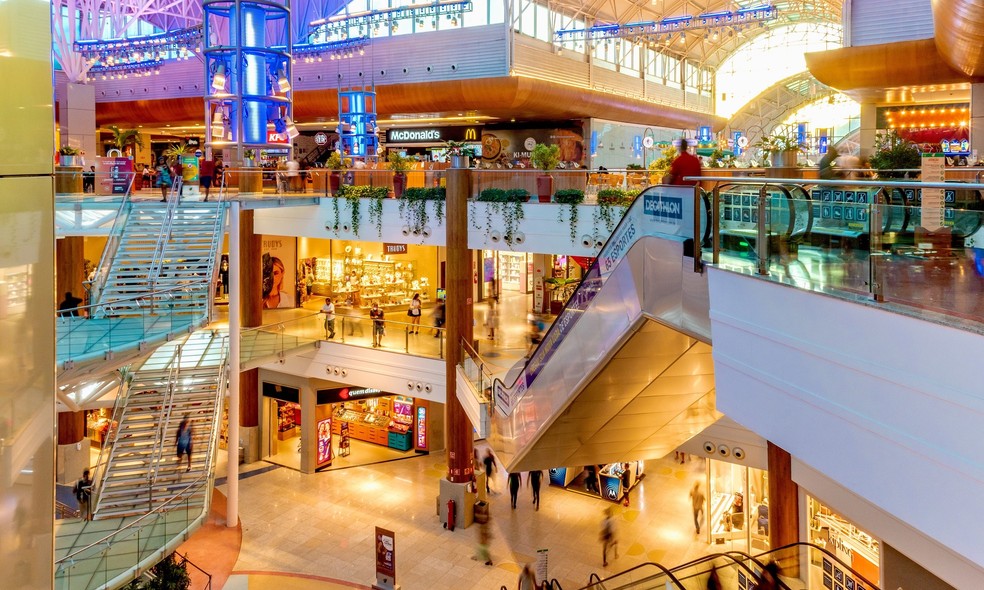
point(686, 164)
point(206, 172)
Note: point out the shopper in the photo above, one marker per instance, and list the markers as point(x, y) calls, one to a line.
point(378, 325)
point(697, 502)
point(146, 177)
point(89, 180)
point(625, 483)
point(514, 483)
point(83, 493)
point(69, 305)
point(492, 318)
point(163, 177)
point(713, 581)
point(354, 318)
point(769, 578)
point(489, 462)
point(686, 164)
point(535, 478)
point(414, 313)
point(609, 540)
point(527, 580)
point(591, 481)
point(439, 318)
point(329, 310)
point(484, 540)
point(184, 440)
point(206, 175)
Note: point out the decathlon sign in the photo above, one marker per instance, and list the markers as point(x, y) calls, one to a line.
point(413, 135)
point(664, 207)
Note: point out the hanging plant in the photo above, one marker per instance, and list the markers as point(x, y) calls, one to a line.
point(334, 204)
point(572, 197)
point(608, 200)
point(512, 211)
point(438, 194)
point(376, 195)
point(352, 196)
point(413, 208)
point(495, 197)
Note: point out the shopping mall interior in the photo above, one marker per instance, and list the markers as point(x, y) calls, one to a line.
point(378, 294)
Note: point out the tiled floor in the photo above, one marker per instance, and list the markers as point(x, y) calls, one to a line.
point(318, 528)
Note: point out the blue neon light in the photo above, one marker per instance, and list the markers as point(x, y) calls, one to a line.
point(254, 81)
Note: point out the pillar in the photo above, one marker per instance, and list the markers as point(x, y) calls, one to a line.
point(977, 120)
point(459, 327)
point(69, 261)
point(869, 127)
point(77, 120)
point(252, 308)
point(73, 447)
point(783, 505)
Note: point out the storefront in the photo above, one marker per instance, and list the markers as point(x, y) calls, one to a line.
point(350, 426)
point(431, 142)
point(737, 506)
point(358, 274)
point(611, 482)
point(853, 546)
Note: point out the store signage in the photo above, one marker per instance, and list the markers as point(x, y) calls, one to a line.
point(558, 476)
point(324, 441)
point(385, 557)
point(931, 215)
point(321, 138)
point(344, 394)
point(115, 175)
point(421, 428)
point(663, 207)
point(648, 142)
point(704, 133)
point(394, 248)
point(411, 135)
point(274, 137)
point(192, 142)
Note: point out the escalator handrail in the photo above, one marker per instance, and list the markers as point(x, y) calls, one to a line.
point(868, 584)
point(732, 556)
point(668, 573)
point(497, 383)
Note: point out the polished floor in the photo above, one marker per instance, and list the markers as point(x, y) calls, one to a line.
point(316, 531)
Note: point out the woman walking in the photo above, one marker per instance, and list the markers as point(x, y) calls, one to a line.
point(414, 313)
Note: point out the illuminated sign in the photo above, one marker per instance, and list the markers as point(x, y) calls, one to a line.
point(274, 137)
point(394, 248)
point(342, 394)
point(321, 138)
point(422, 428)
point(411, 135)
point(324, 441)
point(663, 206)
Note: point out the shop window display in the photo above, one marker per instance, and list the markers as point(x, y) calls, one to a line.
point(839, 536)
point(738, 506)
point(359, 280)
point(385, 421)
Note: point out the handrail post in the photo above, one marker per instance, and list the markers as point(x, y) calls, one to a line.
point(716, 224)
point(698, 264)
point(762, 245)
point(875, 223)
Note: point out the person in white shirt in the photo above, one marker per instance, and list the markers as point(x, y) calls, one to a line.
point(329, 310)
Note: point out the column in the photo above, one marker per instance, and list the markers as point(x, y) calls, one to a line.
point(783, 505)
point(69, 259)
point(73, 447)
point(977, 120)
point(459, 314)
point(869, 127)
point(77, 120)
point(252, 307)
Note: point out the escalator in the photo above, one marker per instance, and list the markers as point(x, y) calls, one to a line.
point(625, 372)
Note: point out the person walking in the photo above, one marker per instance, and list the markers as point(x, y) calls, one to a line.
point(684, 165)
point(163, 177)
point(206, 175)
point(492, 318)
point(378, 325)
point(608, 536)
point(439, 318)
point(89, 180)
point(489, 462)
point(414, 313)
point(184, 440)
point(535, 478)
point(329, 310)
point(769, 578)
point(83, 493)
point(482, 552)
point(697, 502)
point(527, 579)
point(514, 483)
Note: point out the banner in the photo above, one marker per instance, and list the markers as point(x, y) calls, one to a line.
point(278, 287)
point(385, 555)
point(115, 175)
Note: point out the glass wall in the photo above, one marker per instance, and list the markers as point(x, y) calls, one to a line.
point(738, 507)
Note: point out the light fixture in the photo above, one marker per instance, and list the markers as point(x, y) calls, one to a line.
point(292, 131)
point(219, 78)
point(282, 81)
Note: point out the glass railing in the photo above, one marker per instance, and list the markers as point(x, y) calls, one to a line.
point(275, 340)
point(77, 184)
point(91, 331)
point(91, 554)
point(863, 238)
point(322, 182)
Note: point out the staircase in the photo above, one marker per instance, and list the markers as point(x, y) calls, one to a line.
point(141, 469)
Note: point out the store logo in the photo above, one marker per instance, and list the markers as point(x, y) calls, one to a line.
point(663, 206)
point(471, 134)
point(415, 135)
point(611, 491)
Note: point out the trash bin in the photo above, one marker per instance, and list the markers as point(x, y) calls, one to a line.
point(481, 512)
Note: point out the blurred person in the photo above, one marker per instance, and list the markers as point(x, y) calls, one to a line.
point(713, 581)
point(184, 440)
point(378, 325)
point(329, 310)
point(697, 502)
point(685, 164)
point(769, 578)
point(609, 539)
point(514, 482)
point(439, 317)
point(527, 580)
point(482, 552)
point(69, 305)
point(163, 177)
point(83, 493)
point(492, 318)
point(489, 463)
point(535, 477)
point(414, 312)
point(206, 175)
point(89, 180)
point(828, 164)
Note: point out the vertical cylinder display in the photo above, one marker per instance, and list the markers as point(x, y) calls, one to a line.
point(254, 82)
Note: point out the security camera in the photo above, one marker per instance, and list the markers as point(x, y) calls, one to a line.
point(599, 242)
point(346, 227)
point(336, 371)
point(519, 237)
point(587, 241)
point(344, 373)
point(427, 231)
point(419, 387)
point(739, 453)
point(709, 448)
point(723, 450)
point(427, 387)
point(495, 236)
point(410, 385)
point(405, 230)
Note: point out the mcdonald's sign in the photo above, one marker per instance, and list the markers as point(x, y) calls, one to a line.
point(432, 135)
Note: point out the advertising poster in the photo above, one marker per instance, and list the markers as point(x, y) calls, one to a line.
point(385, 555)
point(421, 433)
point(189, 169)
point(278, 270)
point(512, 147)
point(114, 175)
point(324, 441)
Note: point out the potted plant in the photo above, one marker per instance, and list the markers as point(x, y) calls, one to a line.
point(125, 139)
point(336, 164)
point(67, 156)
point(545, 157)
point(399, 164)
point(781, 148)
point(893, 152)
point(608, 200)
point(249, 157)
point(459, 153)
point(571, 197)
point(660, 166)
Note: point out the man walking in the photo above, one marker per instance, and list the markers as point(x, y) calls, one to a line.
point(489, 462)
point(535, 478)
point(329, 310)
point(378, 325)
point(697, 501)
point(83, 493)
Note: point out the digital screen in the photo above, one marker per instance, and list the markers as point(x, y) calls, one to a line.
point(422, 427)
point(442, 293)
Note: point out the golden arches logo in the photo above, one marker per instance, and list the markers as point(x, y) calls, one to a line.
point(471, 134)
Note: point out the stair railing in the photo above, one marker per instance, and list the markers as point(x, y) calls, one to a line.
point(98, 283)
point(157, 262)
point(163, 425)
point(112, 434)
point(217, 231)
point(221, 383)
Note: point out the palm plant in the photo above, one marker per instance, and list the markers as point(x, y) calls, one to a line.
point(124, 138)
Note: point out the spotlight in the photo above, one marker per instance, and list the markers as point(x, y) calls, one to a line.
point(219, 79)
point(282, 81)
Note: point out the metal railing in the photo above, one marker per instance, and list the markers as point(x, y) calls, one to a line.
point(208, 576)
